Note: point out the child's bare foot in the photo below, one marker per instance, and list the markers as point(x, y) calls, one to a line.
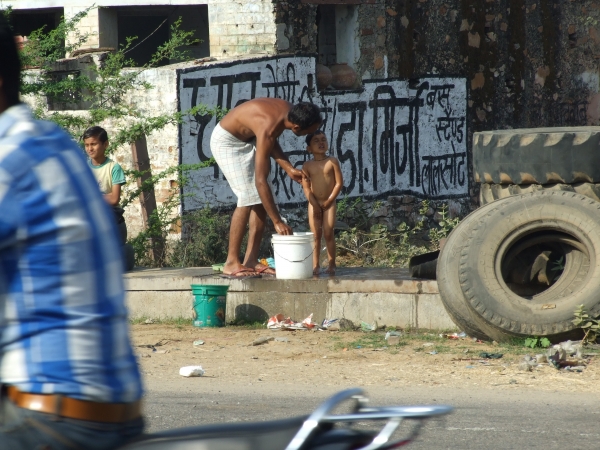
point(331, 270)
point(316, 271)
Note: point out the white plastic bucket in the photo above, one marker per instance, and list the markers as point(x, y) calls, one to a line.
point(293, 255)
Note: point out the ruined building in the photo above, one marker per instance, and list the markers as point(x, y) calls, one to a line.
point(426, 75)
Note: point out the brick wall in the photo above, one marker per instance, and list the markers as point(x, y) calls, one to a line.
point(238, 28)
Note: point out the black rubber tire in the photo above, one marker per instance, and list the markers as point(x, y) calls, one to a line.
point(537, 155)
point(505, 224)
point(492, 192)
point(128, 257)
point(447, 275)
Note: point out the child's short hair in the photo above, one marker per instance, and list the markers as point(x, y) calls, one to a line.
point(96, 132)
point(312, 135)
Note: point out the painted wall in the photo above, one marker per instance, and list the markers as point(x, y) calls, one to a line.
point(391, 137)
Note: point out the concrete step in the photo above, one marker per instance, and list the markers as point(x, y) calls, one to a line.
point(386, 295)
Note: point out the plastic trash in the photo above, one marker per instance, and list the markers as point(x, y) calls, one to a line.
point(487, 355)
point(433, 353)
point(364, 326)
point(191, 371)
point(198, 343)
point(392, 333)
point(330, 324)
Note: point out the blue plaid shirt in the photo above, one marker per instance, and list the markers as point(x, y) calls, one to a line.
point(63, 322)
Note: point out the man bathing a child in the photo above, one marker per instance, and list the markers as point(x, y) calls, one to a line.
point(322, 182)
point(243, 143)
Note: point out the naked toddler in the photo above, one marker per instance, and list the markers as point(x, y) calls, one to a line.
point(322, 182)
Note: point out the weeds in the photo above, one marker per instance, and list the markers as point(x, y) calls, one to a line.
point(379, 246)
point(588, 324)
point(537, 342)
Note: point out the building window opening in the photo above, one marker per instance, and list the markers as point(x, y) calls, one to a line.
point(151, 25)
point(337, 38)
point(26, 21)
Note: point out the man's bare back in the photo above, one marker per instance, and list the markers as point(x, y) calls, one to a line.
point(260, 116)
point(257, 124)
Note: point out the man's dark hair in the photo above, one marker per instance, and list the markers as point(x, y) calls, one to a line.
point(96, 132)
point(10, 66)
point(304, 115)
point(312, 135)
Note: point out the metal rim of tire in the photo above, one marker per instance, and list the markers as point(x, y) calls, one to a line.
point(562, 222)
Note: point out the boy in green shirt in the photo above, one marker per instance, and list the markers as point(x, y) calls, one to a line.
point(108, 173)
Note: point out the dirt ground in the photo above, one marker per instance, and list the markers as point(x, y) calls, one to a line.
point(344, 359)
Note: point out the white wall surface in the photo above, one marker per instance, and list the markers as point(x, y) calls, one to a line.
point(390, 137)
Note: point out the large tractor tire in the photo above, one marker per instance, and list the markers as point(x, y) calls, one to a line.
point(528, 261)
point(537, 156)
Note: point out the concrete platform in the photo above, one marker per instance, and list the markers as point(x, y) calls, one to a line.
point(389, 296)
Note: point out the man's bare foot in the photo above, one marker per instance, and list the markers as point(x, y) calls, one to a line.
point(261, 269)
point(316, 271)
point(331, 270)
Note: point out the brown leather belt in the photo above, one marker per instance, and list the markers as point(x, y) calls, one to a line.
point(75, 409)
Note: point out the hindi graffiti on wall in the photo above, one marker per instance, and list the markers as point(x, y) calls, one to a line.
point(391, 136)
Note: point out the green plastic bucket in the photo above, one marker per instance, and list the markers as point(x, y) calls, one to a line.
point(209, 305)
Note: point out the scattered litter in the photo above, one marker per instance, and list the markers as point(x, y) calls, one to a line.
point(364, 326)
point(433, 353)
point(148, 321)
point(198, 343)
point(345, 349)
point(268, 262)
point(428, 344)
point(262, 340)
point(279, 322)
point(541, 359)
point(282, 339)
point(461, 335)
point(469, 367)
point(330, 324)
point(191, 371)
point(574, 368)
point(358, 346)
point(159, 351)
point(558, 356)
point(392, 333)
point(491, 355)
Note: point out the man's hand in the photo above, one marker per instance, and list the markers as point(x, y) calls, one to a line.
point(295, 175)
point(283, 228)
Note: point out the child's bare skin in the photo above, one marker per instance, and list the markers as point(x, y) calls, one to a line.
point(322, 182)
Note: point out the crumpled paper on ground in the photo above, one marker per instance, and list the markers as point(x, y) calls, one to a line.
point(280, 322)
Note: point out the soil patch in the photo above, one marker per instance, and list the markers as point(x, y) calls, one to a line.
point(344, 359)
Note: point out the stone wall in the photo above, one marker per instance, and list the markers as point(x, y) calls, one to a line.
point(529, 64)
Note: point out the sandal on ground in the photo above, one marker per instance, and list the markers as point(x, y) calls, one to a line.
point(262, 269)
point(242, 274)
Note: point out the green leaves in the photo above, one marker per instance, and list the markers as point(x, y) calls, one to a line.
point(590, 326)
point(537, 342)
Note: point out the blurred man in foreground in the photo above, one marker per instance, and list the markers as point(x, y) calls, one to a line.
point(68, 373)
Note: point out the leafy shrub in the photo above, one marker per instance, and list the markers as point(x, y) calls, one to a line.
point(204, 241)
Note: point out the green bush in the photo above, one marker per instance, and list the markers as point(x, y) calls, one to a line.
point(204, 241)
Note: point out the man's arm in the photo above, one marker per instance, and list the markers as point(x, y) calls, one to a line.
point(284, 162)
point(339, 183)
point(262, 165)
point(307, 188)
